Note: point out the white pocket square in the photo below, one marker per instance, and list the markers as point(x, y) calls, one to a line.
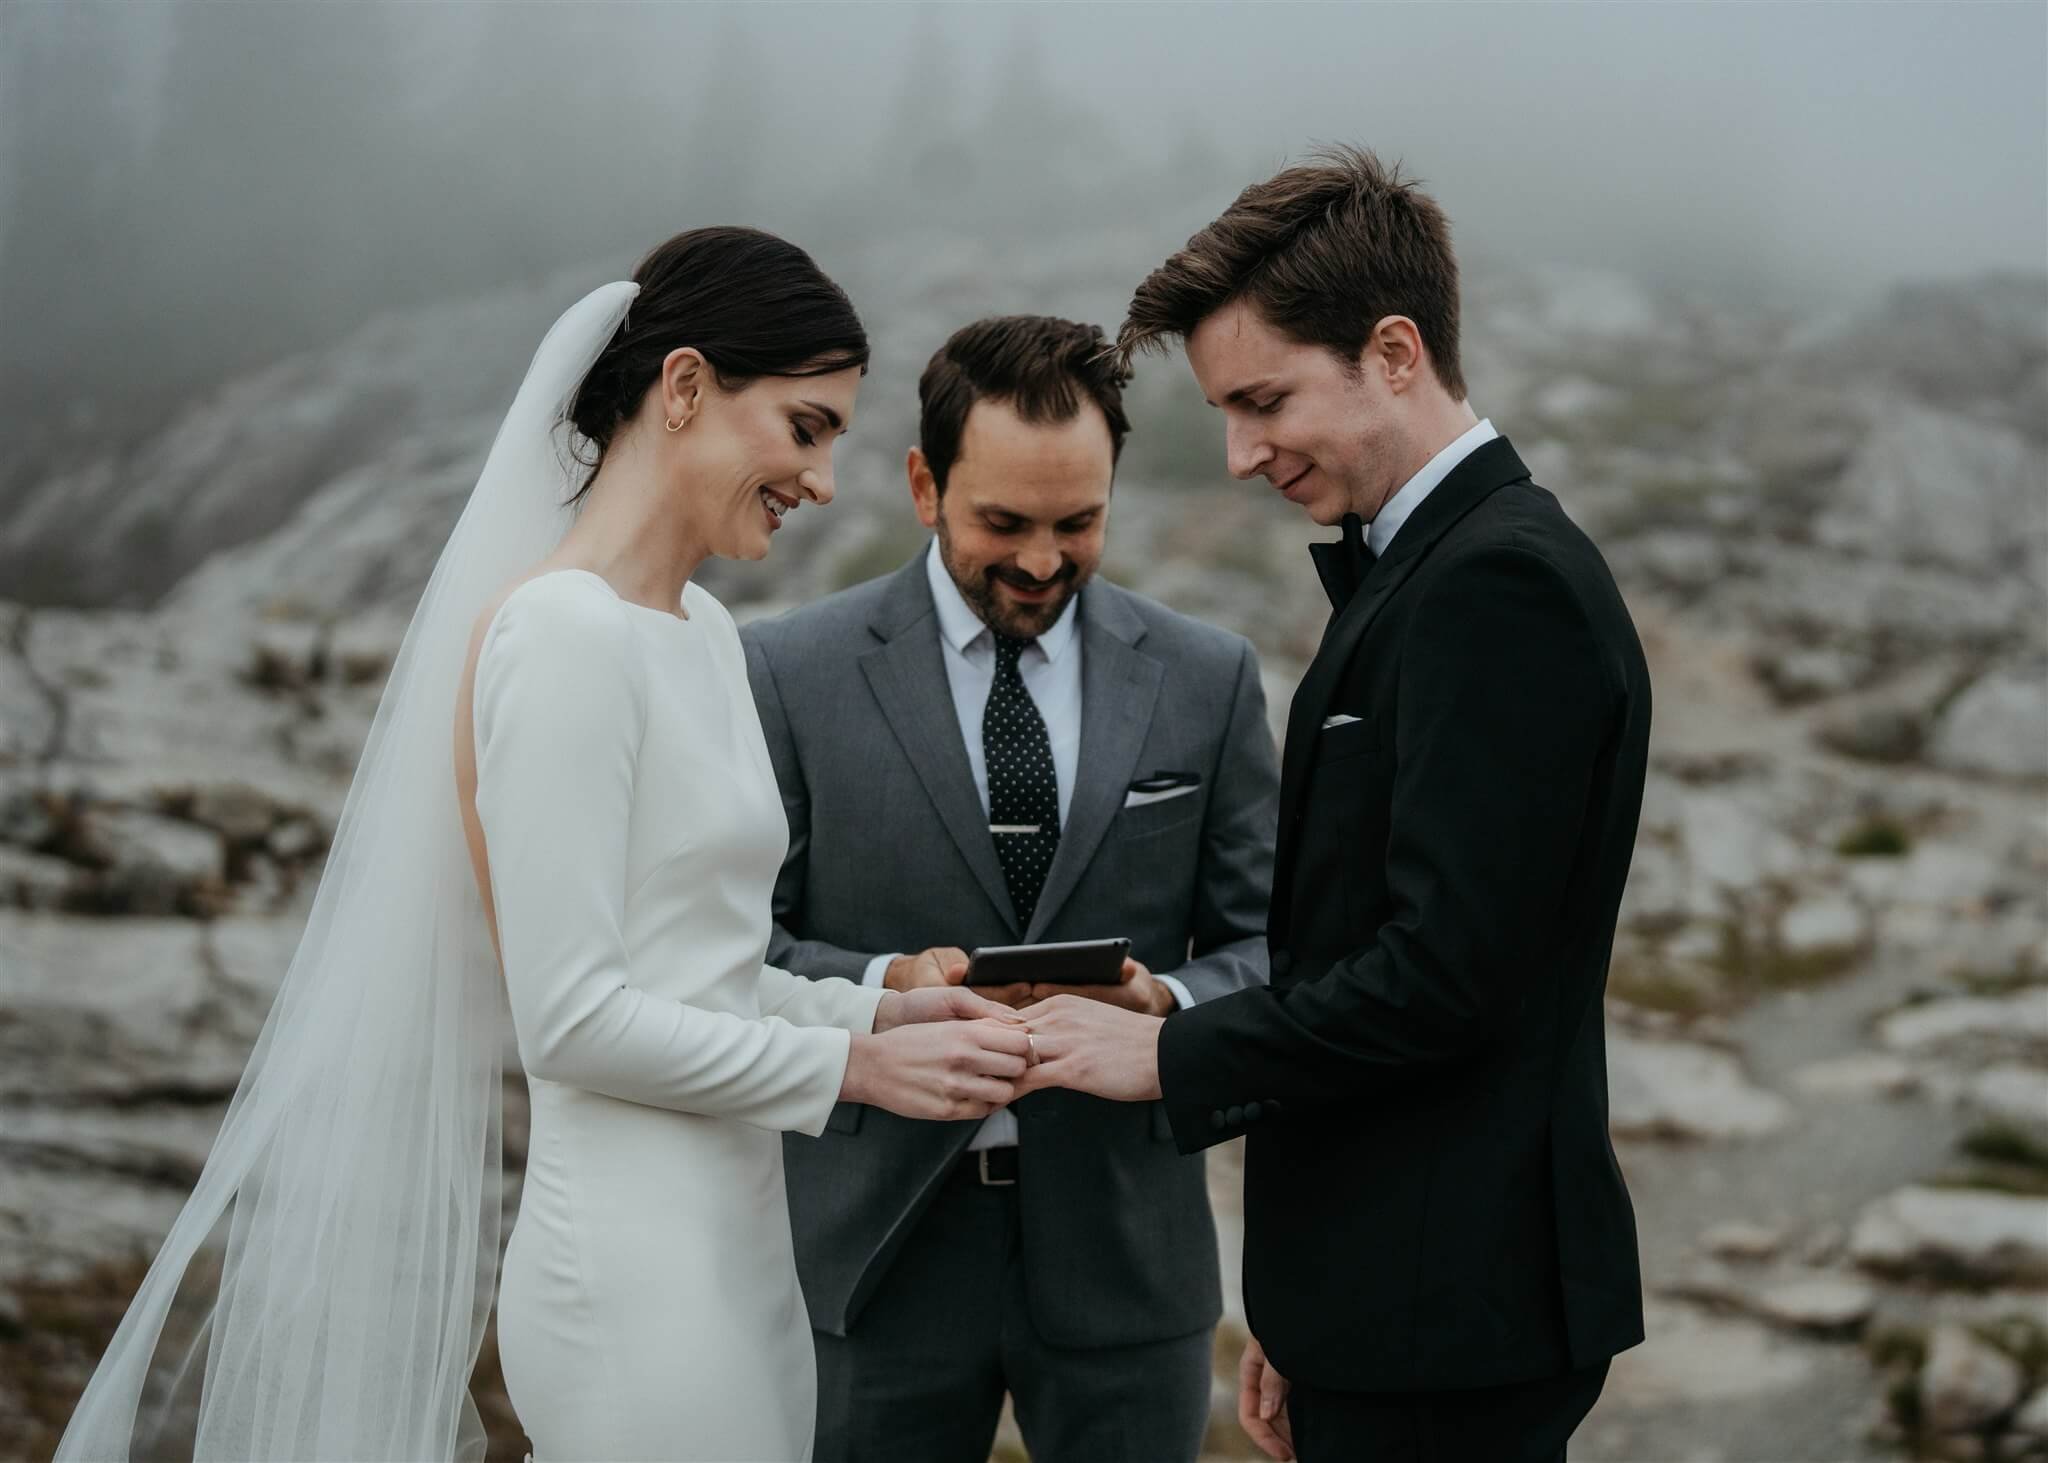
point(1139, 799)
point(1340, 719)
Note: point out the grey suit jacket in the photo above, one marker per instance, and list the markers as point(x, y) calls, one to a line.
point(889, 851)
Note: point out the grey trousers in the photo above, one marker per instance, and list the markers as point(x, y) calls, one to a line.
point(922, 1375)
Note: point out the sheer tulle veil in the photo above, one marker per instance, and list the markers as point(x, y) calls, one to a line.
point(351, 1199)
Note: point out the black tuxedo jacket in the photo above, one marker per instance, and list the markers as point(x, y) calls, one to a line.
point(1431, 1197)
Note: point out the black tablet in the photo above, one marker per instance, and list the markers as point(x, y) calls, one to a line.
point(1077, 962)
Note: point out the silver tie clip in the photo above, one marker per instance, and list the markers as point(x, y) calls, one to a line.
point(1013, 827)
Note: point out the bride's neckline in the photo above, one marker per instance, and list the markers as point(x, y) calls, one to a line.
point(680, 615)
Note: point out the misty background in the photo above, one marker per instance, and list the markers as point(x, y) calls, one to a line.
point(192, 190)
point(1760, 291)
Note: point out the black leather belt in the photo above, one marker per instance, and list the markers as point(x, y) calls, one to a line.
point(994, 1167)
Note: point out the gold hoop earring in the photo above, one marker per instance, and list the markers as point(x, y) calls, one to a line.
point(674, 424)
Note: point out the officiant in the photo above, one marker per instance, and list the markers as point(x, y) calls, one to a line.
point(993, 746)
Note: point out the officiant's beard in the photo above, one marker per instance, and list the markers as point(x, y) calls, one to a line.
point(1006, 617)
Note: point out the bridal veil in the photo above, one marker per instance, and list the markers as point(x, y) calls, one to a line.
point(351, 1199)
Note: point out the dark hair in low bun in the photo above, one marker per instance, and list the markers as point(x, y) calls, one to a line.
point(752, 304)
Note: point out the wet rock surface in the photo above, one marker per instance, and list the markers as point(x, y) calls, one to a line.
point(1828, 1008)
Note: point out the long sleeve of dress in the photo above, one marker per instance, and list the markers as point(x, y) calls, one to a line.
point(559, 713)
point(827, 1001)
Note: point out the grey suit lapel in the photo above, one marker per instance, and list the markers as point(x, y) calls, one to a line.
point(1119, 686)
point(907, 673)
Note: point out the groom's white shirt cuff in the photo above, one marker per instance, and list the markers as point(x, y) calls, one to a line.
point(878, 969)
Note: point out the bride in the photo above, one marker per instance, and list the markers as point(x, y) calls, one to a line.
point(601, 848)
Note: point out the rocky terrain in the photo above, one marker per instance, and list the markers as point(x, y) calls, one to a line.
point(1829, 1006)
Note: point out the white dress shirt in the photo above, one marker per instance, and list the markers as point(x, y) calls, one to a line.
point(1395, 511)
point(1051, 671)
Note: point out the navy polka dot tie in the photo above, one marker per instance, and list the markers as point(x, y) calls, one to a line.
point(1023, 788)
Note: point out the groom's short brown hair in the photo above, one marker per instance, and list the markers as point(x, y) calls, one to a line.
point(1324, 251)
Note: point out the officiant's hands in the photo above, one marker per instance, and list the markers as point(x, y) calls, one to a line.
point(946, 965)
point(1262, 1403)
point(941, 965)
point(1092, 1046)
point(1139, 990)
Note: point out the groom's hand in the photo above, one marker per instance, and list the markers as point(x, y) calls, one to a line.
point(1091, 1046)
point(1262, 1403)
point(1139, 990)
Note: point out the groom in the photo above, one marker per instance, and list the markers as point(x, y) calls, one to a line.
point(1440, 1257)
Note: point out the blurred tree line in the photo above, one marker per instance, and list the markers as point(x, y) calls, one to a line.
point(191, 188)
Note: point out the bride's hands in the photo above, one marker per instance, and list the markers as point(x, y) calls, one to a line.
point(937, 1003)
point(941, 1069)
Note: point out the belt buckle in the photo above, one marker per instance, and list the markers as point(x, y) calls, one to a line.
point(981, 1162)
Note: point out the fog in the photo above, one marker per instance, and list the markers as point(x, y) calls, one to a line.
point(1757, 290)
point(190, 189)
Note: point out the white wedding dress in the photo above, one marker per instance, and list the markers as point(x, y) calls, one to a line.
point(648, 1307)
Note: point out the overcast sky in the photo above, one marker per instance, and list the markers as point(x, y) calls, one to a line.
point(161, 162)
point(1820, 144)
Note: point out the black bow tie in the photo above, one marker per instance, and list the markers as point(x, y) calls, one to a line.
point(1342, 566)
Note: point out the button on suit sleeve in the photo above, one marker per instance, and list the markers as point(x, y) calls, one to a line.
point(559, 715)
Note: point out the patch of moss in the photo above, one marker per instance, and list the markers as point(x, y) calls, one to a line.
point(1903, 1398)
point(1896, 1346)
point(46, 1358)
point(1781, 971)
point(1898, 1352)
point(1741, 968)
point(1711, 769)
point(2005, 1143)
point(1656, 990)
point(1995, 982)
point(2019, 1337)
point(1762, 965)
point(1875, 838)
point(1995, 1178)
point(1886, 735)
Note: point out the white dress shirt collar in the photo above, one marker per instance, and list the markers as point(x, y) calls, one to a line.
point(961, 626)
point(1396, 510)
